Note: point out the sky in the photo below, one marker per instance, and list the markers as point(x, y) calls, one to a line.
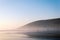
point(16, 13)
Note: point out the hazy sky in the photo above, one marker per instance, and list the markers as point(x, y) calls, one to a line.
point(15, 13)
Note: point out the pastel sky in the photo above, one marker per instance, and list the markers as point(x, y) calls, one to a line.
point(16, 13)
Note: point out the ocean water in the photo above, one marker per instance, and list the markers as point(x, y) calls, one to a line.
point(13, 36)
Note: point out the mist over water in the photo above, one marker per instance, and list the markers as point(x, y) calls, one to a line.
point(39, 31)
point(14, 36)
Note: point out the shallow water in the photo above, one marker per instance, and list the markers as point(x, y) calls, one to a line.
point(13, 36)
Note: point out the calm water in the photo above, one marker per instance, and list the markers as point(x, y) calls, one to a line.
point(5, 36)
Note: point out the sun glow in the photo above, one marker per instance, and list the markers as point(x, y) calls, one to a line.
point(5, 25)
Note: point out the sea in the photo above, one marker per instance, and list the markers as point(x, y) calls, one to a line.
point(16, 36)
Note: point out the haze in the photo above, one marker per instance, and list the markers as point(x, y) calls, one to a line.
point(16, 13)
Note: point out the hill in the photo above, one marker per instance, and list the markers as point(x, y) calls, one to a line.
point(47, 27)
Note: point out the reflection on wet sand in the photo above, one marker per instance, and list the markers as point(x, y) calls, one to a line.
point(7, 36)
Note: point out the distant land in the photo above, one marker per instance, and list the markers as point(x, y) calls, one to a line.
point(39, 28)
point(42, 28)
